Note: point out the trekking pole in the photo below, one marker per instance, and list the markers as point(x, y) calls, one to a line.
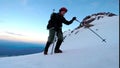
point(53, 44)
point(103, 40)
point(78, 21)
point(54, 39)
point(53, 11)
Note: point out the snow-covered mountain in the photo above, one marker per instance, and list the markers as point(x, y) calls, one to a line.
point(81, 49)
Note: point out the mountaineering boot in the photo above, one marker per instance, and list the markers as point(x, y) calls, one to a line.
point(58, 51)
point(46, 48)
point(57, 48)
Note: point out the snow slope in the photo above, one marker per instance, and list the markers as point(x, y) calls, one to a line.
point(82, 49)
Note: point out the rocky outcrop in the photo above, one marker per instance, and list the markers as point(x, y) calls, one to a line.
point(90, 18)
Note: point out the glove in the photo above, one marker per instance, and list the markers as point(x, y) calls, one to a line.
point(74, 18)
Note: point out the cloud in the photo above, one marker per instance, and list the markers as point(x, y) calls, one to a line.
point(12, 33)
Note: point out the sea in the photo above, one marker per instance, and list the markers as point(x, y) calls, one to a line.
point(16, 48)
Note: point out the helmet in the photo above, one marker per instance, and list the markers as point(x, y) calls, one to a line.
point(63, 9)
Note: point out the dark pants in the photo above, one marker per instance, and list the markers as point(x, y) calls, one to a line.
point(52, 33)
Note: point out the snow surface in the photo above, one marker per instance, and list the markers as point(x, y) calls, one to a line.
point(81, 49)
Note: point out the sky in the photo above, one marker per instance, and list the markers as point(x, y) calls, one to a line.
point(26, 20)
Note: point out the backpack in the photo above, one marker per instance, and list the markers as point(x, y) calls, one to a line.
point(51, 22)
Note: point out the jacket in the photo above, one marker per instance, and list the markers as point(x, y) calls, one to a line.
point(56, 21)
